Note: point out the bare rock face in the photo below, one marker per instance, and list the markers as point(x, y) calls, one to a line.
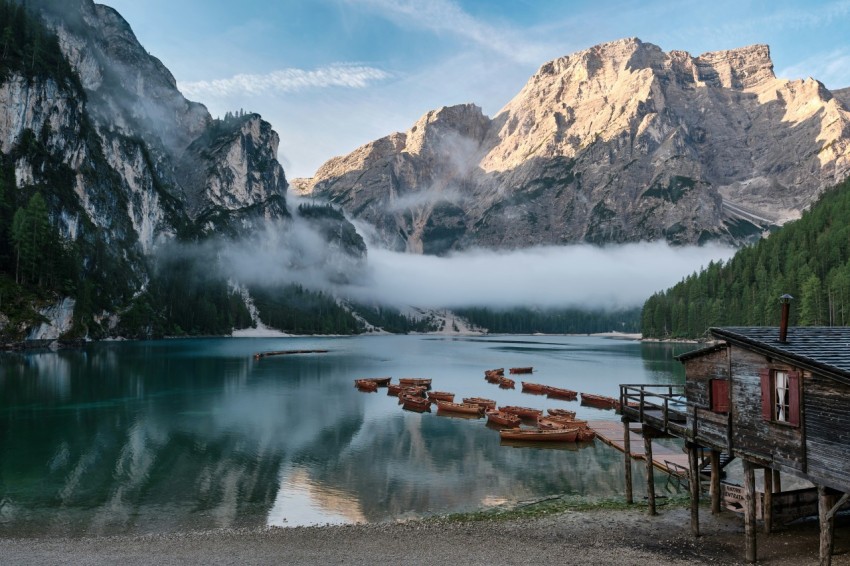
point(231, 173)
point(411, 185)
point(620, 142)
point(130, 133)
point(123, 161)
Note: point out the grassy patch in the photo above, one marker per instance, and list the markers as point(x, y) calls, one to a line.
point(554, 505)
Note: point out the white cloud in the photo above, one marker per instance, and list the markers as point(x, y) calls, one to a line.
point(580, 276)
point(572, 276)
point(831, 68)
point(286, 80)
point(447, 16)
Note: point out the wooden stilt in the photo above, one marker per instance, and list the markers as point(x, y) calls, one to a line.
point(750, 511)
point(767, 508)
point(826, 500)
point(777, 482)
point(715, 482)
point(627, 451)
point(696, 488)
point(650, 477)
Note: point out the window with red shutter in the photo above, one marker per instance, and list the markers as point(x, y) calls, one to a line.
point(719, 395)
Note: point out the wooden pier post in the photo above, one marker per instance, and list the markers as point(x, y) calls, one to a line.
point(627, 450)
point(650, 477)
point(715, 482)
point(777, 482)
point(767, 508)
point(694, 484)
point(750, 511)
point(827, 525)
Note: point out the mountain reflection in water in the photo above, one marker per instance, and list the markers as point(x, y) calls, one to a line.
point(179, 435)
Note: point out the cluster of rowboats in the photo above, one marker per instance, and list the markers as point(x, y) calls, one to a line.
point(558, 425)
point(592, 400)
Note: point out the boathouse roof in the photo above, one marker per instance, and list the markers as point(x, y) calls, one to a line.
point(823, 349)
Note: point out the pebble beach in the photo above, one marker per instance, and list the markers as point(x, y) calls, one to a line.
point(602, 536)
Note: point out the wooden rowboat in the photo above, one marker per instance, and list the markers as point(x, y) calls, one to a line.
point(546, 424)
point(379, 381)
point(365, 385)
point(565, 435)
point(486, 403)
point(560, 393)
point(522, 370)
point(416, 381)
point(502, 419)
point(412, 391)
point(527, 412)
point(415, 390)
point(418, 404)
point(562, 413)
point(528, 387)
point(599, 401)
point(566, 420)
point(497, 371)
point(464, 408)
point(441, 396)
point(506, 383)
point(493, 378)
point(394, 389)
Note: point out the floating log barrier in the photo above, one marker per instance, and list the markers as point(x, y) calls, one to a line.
point(259, 355)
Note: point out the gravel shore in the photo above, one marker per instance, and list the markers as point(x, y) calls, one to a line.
point(572, 537)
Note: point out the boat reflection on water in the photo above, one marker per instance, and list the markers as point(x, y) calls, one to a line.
point(571, 446)
point(180, 435)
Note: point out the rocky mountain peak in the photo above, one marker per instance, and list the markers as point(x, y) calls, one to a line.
point(617, 142)
point(741, 69)
point(434, 129)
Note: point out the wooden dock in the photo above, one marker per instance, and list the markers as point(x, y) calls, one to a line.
point(663, 458)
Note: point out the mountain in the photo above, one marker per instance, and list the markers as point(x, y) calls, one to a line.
point(103, 164)
point(617, 143)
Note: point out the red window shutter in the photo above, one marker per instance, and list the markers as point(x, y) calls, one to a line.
point(766, 395)
point(794, 398)
point(720, 395)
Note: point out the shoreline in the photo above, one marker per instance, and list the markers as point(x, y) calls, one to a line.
point(59, 344)
point(592, 537)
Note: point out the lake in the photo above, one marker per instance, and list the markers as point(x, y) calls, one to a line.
point(171, 435)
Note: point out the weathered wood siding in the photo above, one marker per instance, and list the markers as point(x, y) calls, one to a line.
point(699, 371)
point(818, 449)
point(826, 415)
point(777, 444)
point(710, 427)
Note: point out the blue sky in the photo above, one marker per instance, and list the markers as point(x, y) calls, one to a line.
point(331, 75)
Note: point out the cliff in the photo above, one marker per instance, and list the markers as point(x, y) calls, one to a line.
point(97, 127)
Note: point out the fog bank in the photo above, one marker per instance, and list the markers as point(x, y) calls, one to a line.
point(570, 276)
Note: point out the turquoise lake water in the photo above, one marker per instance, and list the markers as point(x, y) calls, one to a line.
point(178, 435)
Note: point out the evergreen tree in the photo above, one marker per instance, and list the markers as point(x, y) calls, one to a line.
point(808, 258)
point(32, 238)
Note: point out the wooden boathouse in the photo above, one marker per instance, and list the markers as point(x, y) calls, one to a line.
point(778, 399)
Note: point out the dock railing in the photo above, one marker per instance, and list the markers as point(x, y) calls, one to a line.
point(664, 405)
